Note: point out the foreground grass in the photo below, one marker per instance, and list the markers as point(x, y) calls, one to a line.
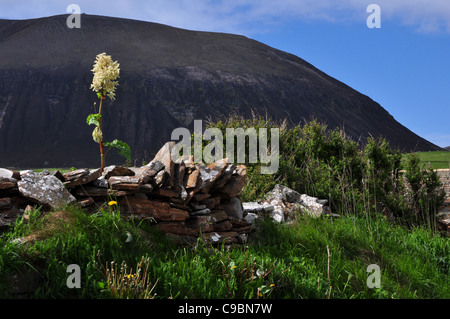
point(279, 261)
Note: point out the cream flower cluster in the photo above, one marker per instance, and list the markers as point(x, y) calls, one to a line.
point(97, 135)
point(105, 72)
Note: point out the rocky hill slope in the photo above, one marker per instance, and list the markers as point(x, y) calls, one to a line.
point(169, 77)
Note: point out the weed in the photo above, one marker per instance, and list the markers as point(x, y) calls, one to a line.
point(126, 283)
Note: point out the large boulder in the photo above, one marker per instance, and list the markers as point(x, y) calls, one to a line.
point(46, 190)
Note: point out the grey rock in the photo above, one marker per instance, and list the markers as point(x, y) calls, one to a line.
point(251, 218)
point(25, 172)
point(114, 170)
point(277, 214)
point(44, 172)
point(205, 211)
point(83, 178)
point(114, 180)
point(234, 208)
point(46, 190)
point(155, 165)
point(197, 207)
point(256, 208)
point(312, 205)
point(164, 156)
point(160, 178)
point(234, 186)
point(76, 174)
point(6, 173)
point(285, 194)
point(210, 174)
point(284, 204)
point(6, 183)
point(101, 182)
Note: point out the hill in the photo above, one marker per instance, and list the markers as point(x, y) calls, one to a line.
point(169, 77)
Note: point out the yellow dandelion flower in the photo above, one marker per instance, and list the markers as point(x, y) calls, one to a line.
point(113, 202)
point(272, 285)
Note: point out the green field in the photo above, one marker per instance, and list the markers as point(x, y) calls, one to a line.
point(437, 160)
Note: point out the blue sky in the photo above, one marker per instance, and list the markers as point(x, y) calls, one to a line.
point(404, 65)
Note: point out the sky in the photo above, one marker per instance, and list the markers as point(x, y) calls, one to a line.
point(403, 63)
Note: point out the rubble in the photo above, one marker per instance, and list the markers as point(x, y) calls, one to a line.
point(282, 204)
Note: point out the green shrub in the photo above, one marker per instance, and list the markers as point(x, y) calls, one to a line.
point(356, 178)
point(425, 191)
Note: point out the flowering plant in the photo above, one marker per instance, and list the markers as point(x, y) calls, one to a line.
point(106, 71)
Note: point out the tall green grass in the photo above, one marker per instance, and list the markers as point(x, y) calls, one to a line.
point(278, 261)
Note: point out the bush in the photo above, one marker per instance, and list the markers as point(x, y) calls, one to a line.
point(425, 194)
point(358, 179)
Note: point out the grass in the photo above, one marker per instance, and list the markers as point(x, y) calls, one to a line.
point(62, 170)
point(437, 160)
point(278, 261)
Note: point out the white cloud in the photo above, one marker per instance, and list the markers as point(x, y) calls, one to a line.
point(244, 16)
point(425, 16)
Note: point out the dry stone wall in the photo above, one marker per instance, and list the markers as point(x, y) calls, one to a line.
point(443, 215)
point(183, 199)
point(444, 175)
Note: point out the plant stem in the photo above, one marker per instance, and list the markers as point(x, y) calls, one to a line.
point(328, 271)
point(102, 151)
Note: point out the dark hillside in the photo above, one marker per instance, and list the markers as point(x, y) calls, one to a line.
point(169, 77)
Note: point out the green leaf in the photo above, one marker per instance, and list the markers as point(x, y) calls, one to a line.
point(93, 119)
point(99, 95)
point(121, 147)
point(264, 289)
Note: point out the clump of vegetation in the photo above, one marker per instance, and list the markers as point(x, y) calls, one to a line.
point(124, 283)
point(357, 180)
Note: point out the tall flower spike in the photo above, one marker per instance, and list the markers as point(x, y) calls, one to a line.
point(106, 71)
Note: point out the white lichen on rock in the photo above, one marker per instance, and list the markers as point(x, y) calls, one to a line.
point(46, 190)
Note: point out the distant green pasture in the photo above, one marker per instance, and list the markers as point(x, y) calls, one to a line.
point(437, 160)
